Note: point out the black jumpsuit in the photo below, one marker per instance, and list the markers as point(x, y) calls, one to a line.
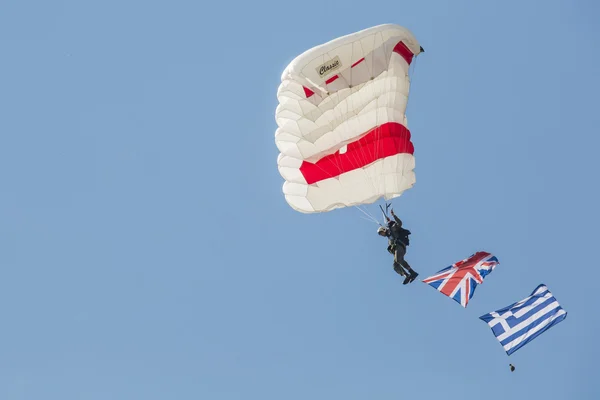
point(397, 247)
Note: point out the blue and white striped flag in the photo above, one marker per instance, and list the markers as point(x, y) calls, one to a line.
point(518, 324)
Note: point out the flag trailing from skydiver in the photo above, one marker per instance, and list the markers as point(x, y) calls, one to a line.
point(459, 280)
point(519, 323)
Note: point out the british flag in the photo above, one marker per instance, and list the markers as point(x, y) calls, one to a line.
point(459, 280)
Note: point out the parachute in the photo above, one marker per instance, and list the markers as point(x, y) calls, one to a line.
point(342, 131)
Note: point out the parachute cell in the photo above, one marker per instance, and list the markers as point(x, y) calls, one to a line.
point(342, 131)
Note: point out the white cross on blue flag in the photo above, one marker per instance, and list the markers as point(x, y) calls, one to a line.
point(518, 324)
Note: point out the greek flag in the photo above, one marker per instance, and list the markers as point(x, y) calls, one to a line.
point(518, 324)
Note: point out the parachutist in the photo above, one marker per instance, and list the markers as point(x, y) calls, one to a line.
point(512, 367)
point(397, 243)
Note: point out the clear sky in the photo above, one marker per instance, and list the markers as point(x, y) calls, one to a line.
point(147, 252)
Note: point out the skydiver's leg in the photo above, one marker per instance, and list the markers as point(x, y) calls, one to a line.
point(399, 262)
point(412, 274)
point(399, 254)
point(406, 266)
point(399, 270)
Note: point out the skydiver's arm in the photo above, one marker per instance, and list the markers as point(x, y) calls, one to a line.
point(398, 220)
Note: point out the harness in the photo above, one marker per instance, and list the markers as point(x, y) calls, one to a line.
point(398, 237)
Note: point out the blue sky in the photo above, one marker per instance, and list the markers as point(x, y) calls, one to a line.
point(147, 251)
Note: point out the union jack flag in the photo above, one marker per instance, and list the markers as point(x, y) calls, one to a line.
point(459, 280)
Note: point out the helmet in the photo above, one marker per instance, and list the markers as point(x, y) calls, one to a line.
point(382, 231)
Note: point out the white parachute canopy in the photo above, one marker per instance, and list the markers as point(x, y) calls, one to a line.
point(342, 131)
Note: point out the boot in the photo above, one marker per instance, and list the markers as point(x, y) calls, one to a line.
point(413, 274)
